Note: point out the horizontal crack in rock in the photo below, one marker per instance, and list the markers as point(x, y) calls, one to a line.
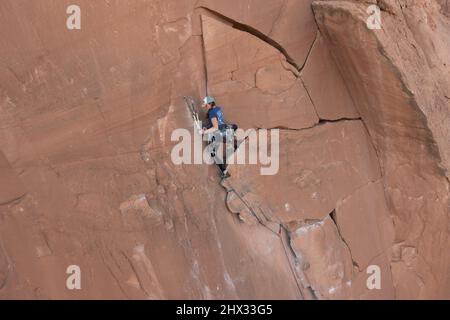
point(320, 123)
point(251, 30)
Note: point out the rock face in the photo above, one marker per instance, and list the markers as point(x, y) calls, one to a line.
point(87, 179)
point(399, 85)
point(11, 188)
point(255, 79)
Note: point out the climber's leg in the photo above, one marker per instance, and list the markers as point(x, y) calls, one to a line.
point(220, 149)
point(215, 148)
point(229, 146)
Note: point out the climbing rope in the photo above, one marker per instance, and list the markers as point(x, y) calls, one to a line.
point(282, 233)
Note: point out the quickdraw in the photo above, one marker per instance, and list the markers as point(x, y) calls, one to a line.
point(192, 109)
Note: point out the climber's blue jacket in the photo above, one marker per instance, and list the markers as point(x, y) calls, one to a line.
point(217, 113)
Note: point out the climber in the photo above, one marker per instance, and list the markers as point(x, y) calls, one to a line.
point(218, 132)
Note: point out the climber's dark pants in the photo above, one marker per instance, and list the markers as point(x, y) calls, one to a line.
point(223, 139)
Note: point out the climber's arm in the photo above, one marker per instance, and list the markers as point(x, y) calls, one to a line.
point(215, 126)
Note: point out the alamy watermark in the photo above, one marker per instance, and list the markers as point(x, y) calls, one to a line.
point(374, 280)
point(254, 146)
point(73, 281)
point(374, 20)
point(73, 22)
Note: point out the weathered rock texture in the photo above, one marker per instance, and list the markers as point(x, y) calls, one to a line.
point(86, 177)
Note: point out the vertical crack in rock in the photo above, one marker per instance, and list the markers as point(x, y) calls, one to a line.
point(309, 94)
point(306, 289)
point(308, 292)
point(333, 217)
point(346, 85)
point(325, 257)
point(300, 69)
point(420, 126)
point(66, 132)
point(277, 229)
point(205, 64)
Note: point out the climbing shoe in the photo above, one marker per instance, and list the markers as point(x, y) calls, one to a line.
point(225, 175)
